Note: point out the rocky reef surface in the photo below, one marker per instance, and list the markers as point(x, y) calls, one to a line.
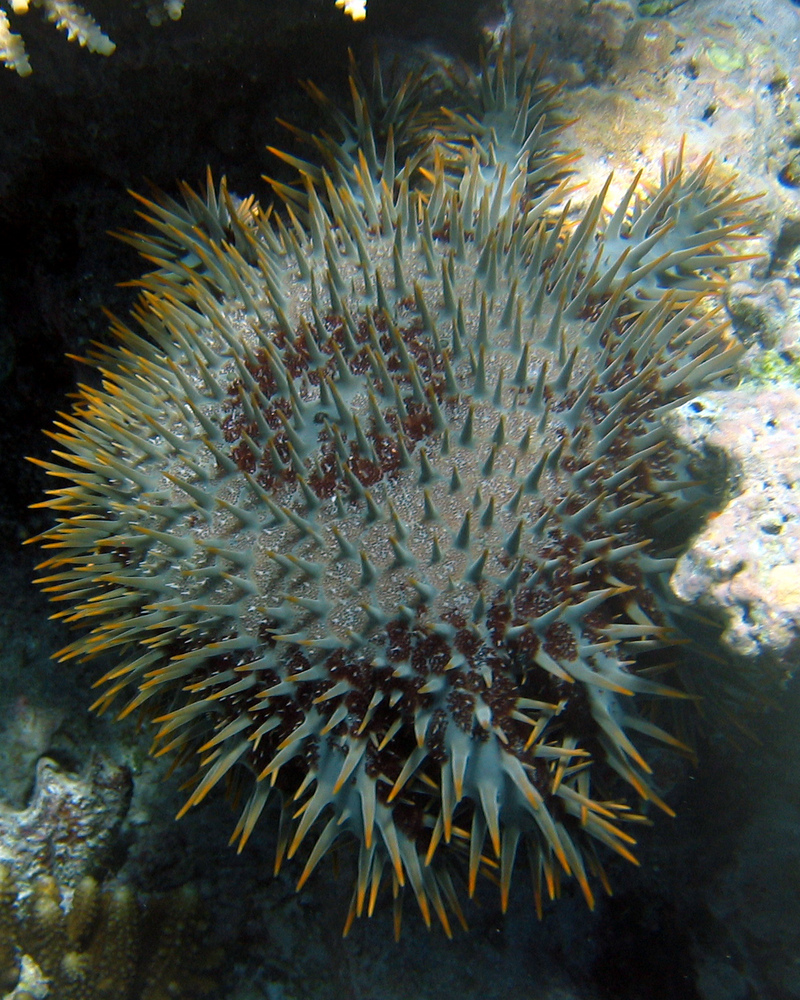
point(744, 561)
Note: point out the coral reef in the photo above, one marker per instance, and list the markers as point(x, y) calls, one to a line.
point(107, 943)
point(584, 39)
point(762, 313)
point(730, 74)
point(744, 566)
point(69, 826)
point(364, 508)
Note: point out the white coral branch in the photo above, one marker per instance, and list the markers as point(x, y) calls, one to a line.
point(357, 9)
point(78, 25)
point(74, 21)
point(12, 48)
point(159, 10)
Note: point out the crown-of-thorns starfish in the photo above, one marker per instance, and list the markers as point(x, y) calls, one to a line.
point(362, 507)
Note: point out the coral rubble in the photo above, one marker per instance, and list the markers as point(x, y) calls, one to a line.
point(364, 507)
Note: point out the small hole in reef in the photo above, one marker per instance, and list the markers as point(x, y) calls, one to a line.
point(789, 176)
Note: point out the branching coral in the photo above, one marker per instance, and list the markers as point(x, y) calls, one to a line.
point(67, 16)
point(364, 507)
point(80, 26)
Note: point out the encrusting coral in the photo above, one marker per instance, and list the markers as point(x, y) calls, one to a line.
point(364, 507)
point(108, 943)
